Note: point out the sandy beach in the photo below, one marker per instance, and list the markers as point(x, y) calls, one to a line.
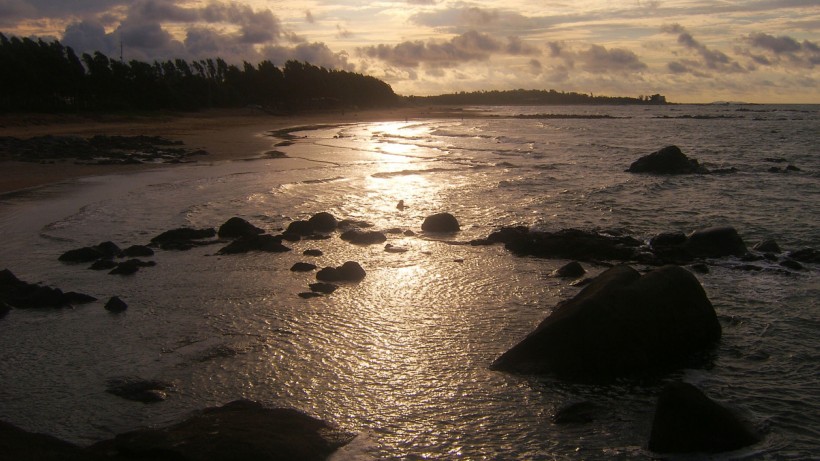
point(225, 134)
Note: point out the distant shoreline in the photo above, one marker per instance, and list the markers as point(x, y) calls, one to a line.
point(232, 134)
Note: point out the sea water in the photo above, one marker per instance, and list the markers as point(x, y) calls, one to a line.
point(402, 357)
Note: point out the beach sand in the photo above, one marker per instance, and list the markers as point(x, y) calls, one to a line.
point(225, 134)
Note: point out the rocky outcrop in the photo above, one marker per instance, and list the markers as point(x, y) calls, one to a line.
point(105, 250)
point(22, 295)
point(712, 242)
point(669, 160)
point(350, 271)
point(265, 242)
point(238, 430)
point(687, 421)
point(440, 222)
point(237, 227)
point(620, 324)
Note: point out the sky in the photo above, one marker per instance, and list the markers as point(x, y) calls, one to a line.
point(691, 51)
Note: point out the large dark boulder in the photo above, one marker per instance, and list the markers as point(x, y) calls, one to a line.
point(22, 295)
point(237, 227)
point(687, 421)
point(715, 242)
point(669, 160)
point(620, 324)
point(323, 222)
point(440, 222)
point(265, 242)
point(240, 430)
point(350, 271)
point(302, 228)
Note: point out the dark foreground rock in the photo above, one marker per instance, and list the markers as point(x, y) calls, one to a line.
point(240, 430)
point(687, 421)
point(22, 295)
point(669, 160)
point(440, 222)
point(237, 227)
point(621, 324)
point(350, 271)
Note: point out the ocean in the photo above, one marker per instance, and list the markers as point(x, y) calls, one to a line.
point(402, 357)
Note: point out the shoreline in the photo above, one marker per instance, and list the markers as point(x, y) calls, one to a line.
point(227, 135)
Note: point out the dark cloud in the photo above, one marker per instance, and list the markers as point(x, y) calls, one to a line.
point(462, 19)
point(341, 32)
point(309, 17)
point(713, 59)
point(89, 36)
point(470, 46)
point(317, 54)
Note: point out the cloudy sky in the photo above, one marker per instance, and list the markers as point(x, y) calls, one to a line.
point(688, 50)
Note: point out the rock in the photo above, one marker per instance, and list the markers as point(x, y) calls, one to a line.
point(575, 413)
point(700, 268)
point(323, 222)
point(308, 294)
point(570, 270)
point(667, 239)
point(138, 390)
point(240, 430)
point(81, 255)
point(4, 309)
point(302, 267)
point(806, 255)
point(130, 267)
point(183, 234)
point(312, 252)
point(346, 224)
point(237, 227)
point(109, 250)
point(348, 272)
point(687, 421)
point(18, 444)
point(361, 237)
point(715, 242)
point(103, 265)
point(137, 251)
point(792, 168)
point(792, 264)
point(620, 324)
point(565, 244)
point(767, 246)
point(264, 242)
point(440, 222)
point(394, 249)
point(302, 228)
point(669, 160)
point(19, 294)
point(116, 305)
point(320, 287)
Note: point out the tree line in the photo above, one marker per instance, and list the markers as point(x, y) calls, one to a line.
point(532, 97)
point(38, 75)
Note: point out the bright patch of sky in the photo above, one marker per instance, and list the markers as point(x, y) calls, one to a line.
point(690, 51)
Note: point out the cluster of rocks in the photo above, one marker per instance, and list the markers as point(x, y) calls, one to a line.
point(241, 429)
point(15, 293)
point(99, 149)
point(672, 161)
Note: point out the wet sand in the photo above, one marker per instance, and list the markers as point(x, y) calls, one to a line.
point(225, 134)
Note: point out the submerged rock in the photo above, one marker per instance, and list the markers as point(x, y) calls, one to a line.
point(575, 413)
point(302, 267)
point(361, 237)
point(138, 390)
point(564, 244)
point(440, 222)
point(570, 270)
point(131, 266)
point(321, 287)
point(183, 238)
point(687, 421)
point(350, 271)
point(669, 160)
point(620, 324)
point(313, 252)
point(237, 227)
point(264, 242)
point(241, 430)
point(715, 242)
point(767, 246)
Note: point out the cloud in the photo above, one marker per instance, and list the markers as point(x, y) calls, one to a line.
point(470, 46)
point(713, 59)
point(598, 58)
point(776, 50)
